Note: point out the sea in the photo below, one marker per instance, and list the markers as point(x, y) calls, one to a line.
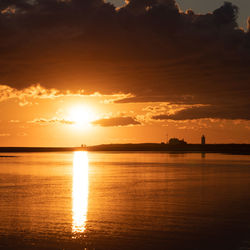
point(124, 200)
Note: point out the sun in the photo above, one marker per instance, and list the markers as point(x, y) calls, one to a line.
point(81, 116)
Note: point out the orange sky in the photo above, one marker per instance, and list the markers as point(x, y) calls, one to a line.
point(66, 120)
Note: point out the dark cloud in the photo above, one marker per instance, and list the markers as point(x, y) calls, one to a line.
point(214, 112)
point(149, 48)
point(116, 121)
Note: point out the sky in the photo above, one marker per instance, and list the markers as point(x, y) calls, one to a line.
point(205, 6)
point(89, 72)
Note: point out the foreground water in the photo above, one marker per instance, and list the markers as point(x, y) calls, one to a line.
point(80, 200)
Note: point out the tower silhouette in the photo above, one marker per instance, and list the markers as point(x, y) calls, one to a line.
point(203, 140)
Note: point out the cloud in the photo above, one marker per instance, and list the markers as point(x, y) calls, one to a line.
point(168, 108)
point(39, 92)
point(44, 121)
point(14, 121)
point(4, 134)
point(148, 48)
point(227, 112)
point(116, 121)
point(34, 91)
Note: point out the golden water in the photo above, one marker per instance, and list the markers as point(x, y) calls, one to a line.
point(80, 200)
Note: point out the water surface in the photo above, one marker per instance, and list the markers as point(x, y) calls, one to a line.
point(78, 200)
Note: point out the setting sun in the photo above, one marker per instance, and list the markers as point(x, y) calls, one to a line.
point(82, 116)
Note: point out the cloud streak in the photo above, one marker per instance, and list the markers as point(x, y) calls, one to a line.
point(43, 121)
point(39, 92)
point(116, 122)
point(221, 112)
point(4, 134)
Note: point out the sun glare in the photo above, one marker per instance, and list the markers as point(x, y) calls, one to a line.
point(82, 116)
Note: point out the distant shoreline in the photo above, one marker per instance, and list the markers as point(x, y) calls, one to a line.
point(239, 149)
point(7, 156)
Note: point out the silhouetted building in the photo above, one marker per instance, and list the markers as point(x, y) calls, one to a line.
point(203, 140)
point(176, 141)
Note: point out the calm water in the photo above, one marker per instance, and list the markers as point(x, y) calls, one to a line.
point(81, 200)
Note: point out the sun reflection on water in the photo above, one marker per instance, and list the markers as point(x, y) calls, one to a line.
point(80, 191)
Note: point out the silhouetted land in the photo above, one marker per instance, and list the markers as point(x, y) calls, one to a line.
point(242, 149)
point(7, 156)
